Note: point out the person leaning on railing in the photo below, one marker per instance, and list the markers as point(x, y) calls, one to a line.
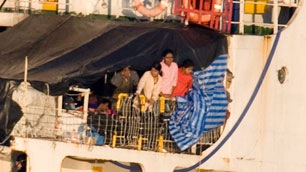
point(150, 84)
point(184, 78)
point(169, 72)
point(184, 83)
point(169, 78)
point(125, 82)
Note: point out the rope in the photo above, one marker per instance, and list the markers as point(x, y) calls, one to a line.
point(6, 138)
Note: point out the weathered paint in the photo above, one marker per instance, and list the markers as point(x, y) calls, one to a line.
point(272, 135)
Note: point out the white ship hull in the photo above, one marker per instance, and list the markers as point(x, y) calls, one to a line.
point(270, 138)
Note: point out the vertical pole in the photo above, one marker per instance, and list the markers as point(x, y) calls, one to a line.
point(114, 139)
point(139, 142)
point(25, 89)
point(26, 69)
point(30, 6)
point(162, 104)
point(85, 105)
point(160, 143)
point(142, 99)
point(59, 105)
point(229, 13)
point(153, 5)
point(109, 11)
point(67, 6)
point(275, 16)
point(241, 17)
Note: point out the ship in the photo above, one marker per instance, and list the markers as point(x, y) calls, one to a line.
point(55, 50)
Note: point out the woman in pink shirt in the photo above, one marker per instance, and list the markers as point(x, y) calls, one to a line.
point(169, 72)
point(184, 79)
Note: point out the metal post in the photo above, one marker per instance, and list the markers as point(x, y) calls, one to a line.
point(26, 69)
point(241, 17)
point(275, 16)
point(160, 143)
point(114, 139)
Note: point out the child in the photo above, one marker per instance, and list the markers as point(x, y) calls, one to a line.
point(184, 79)
point(105, 107)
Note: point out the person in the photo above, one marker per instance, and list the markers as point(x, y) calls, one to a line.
point(104, 107)
point(79, 100)
point(21, 162)
point(229, 77)
point(169, 73)
point(92, 102)
point(150, 84)
point(125, 82)
point(184, 81)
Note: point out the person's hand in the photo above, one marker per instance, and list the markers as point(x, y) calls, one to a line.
point(136, 94)
point(163, 95)
point(151, 101)
point(171, 97)
point(91, 109)
point(167, 95)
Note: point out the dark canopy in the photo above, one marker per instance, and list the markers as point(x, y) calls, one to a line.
point(62, 50)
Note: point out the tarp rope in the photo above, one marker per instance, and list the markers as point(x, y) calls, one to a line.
point(243, 114)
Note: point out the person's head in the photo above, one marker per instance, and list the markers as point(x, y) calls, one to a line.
point(155, 69)
point(126, 72)
point(168, 56)
point(104, 106)
point(187, 66)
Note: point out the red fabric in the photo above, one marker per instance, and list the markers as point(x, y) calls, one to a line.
point(184, 83)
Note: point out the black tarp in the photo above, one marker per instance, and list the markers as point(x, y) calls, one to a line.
point(63, 50)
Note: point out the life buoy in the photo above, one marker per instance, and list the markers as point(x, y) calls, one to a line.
point(204, 18)
point(152, 12)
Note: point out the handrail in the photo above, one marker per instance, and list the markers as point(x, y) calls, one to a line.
point(234, 16)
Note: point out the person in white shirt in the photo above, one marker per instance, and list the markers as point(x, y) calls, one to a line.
point(150, 84)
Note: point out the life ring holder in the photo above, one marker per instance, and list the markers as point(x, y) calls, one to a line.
point(196, 17)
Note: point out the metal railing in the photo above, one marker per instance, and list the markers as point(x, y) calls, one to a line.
point(263, 14)
point(133, 126)
point(236, 17)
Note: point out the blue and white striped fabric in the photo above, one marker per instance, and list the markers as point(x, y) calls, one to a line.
point(204, 106)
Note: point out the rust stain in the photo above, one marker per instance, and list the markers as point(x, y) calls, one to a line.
point(266, 46)
point(226, 160)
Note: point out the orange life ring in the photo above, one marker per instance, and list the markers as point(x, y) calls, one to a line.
point(152, 12)
point(195, 17)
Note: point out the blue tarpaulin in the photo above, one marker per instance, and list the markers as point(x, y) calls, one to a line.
point(204, 106)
